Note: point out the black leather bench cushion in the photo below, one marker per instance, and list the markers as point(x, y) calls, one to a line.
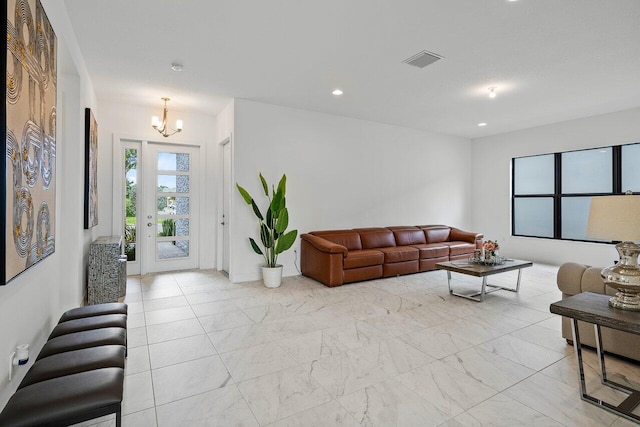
point(85, 339)
point(94, 310)
point(73, 362)
point(88, 323)
point(60, 400)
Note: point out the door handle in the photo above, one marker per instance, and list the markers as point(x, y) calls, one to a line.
point(149, 224)
point(222, 223)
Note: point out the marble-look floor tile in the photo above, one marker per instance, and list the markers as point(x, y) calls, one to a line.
point(489, 368)
point(256, 361)
point(135, 320)
point(174, 330)
point(428, 316)
point(435, 342)
point(361, 310)
point(523, 313)
point(146, 418)
point(389, 403)
point(544, 337)
point(135, 307)
point(136, 337)
point(495, 320)
point(530, 355)
point(449, 390)
point(137, 360)
point(469, 331)
point(216, 307)
point(501, 411)
point(266, 313)
point(161, 293)
point(554, 323)
point(344, 373)
point(356, 334)
point(309, 347)
point(189, 378)
point(281, 394)
point(138, 393)
point(219, 322)
point(328, 414)
point(168, 315)
point(395, 324)
point(558, 401)
point(181, 350)
point(222, 407)
point(394, 356)
point(164, 303)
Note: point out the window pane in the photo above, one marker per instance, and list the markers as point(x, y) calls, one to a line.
point(166, 205)
point(630, 167)
point(131, 203)
point(533, 216)
point(166, 227)
point(587, 171)
point(534, 175)
point(575, 215)
point(173, 162)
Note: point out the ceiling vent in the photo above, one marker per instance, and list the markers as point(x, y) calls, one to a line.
point(422, 59)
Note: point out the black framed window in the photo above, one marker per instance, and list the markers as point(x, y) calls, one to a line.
point(551, 193)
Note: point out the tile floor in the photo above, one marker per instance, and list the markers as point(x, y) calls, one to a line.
point(392, 352)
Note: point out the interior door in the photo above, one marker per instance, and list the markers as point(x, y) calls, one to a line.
point(226, 196)
point(170, 208)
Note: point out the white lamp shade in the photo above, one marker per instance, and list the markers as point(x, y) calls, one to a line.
point(615, 218)
point(179, 124)
point(155, 121)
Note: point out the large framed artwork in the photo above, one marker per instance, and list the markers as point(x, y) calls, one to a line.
point(29, 122)
point(90, 170)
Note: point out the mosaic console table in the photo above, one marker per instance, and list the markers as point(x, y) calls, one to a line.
point(107, 270)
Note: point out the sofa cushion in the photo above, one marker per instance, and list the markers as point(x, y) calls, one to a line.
point(436, 233)
point(460, 248)
point(399, 254)
point(363, 258)
point(378, 237)
point(347, 238)
point(408, 236)
point(432, 250)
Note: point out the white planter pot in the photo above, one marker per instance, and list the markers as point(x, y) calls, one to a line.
point(272, 276)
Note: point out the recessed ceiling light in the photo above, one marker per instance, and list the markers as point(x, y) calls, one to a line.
point(337, 92)
point(176, 67)
point(492, 92)
point(482, 124)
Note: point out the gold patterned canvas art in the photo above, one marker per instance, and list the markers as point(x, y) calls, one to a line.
point(30, 143)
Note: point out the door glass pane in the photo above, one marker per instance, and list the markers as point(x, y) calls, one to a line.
point(587, 171)
point(166, 227)
point(575, 215)
point(173, 249)
point(182, 206)
point(166, 205)
point(631, 167)
point(173, 183)
point(173, 162)
point(131, 202)
point(182, 227)
point(533, 216)
point(534, 175)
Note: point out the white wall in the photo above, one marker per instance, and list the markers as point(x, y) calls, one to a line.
point(134, 121)
point(31, 304)
point(492, 178)
point(343, 173)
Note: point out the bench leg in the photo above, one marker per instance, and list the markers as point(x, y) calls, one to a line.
point(119, 416)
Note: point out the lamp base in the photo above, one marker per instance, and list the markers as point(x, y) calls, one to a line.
point(624, 277)
point(625, 300)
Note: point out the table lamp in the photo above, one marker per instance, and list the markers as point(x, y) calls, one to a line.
point(617, 218)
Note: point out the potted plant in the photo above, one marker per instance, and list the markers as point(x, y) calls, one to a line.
point(273, 225)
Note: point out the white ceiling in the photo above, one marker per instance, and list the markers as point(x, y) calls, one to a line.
point(551, 60)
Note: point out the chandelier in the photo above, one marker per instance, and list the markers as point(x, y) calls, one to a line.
point(161, 126)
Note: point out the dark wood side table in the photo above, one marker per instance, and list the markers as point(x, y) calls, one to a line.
point(594, 308)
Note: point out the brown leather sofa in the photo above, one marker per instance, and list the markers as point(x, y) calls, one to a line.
point(335, 257)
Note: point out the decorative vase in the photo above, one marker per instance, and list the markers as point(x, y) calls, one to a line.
point(487, 255)
point(272, 276)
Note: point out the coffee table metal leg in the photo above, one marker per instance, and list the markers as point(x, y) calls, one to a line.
point(484, 288)
point(519, 276)
point(577, 348)
point(449, 281)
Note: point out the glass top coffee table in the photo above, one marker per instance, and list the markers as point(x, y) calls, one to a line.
point(469, 268)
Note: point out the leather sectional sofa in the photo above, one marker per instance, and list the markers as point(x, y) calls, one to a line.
point(335, 257)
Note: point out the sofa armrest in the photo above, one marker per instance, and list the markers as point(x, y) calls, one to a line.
point(569, 278)
point(466, 236)
point(324, 245)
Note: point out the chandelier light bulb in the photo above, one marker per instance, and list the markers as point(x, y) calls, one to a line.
point(492, 92)
point(179, 125)
point(337, 92)
point(155, 121)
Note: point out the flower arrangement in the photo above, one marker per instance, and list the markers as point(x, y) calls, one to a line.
point(491, 246)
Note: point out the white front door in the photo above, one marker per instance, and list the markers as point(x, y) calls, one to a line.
point(170, 212)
